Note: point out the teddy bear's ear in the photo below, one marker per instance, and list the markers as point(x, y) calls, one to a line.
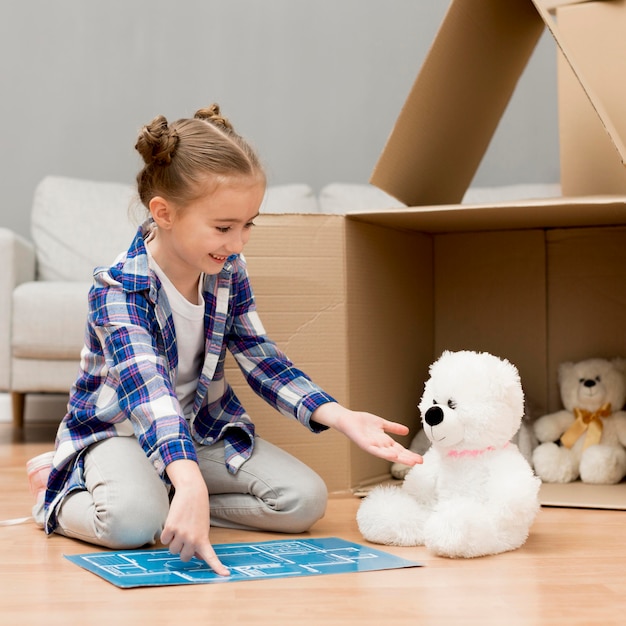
point(444, 355)
point(619, 364)
point(564, 370)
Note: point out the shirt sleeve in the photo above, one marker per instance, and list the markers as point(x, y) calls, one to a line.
point(137, 384)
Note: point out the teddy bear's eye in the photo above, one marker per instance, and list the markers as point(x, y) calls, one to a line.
point(452, 404)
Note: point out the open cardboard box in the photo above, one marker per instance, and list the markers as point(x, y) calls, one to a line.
point(366, 301)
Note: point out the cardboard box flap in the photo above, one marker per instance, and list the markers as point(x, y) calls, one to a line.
point(457, 100)
point(574, 50)
point(461, 93)
point(591, 148)
point(549, 213)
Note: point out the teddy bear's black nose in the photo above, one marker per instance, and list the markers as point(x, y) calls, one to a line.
point(434, 416)
point(589, 383)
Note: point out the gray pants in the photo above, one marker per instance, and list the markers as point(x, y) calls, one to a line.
point(126, 503)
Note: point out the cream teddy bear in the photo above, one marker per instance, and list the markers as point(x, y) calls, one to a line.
point(474, 494)
point(591, 429)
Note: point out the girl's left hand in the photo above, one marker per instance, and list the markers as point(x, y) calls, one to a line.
point(368, 431)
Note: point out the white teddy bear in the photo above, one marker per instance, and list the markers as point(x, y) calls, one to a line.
point(591, 429)
point(474, 494)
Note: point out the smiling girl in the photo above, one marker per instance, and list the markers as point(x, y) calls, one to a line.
point(155, 444)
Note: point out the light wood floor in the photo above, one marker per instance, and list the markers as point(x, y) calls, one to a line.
point(571, 571)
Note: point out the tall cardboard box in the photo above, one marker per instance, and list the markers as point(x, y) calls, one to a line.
point(366, 301)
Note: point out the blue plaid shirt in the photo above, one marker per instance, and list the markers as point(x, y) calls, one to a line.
point(127, 380)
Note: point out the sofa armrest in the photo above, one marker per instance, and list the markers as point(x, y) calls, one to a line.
point(17, 265)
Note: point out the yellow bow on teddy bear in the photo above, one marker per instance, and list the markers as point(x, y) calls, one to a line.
point(586, 421)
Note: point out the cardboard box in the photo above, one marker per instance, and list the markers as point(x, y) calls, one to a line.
point(365, 302)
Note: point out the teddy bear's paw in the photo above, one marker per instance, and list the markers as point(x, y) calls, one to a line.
point(555, 464)
point(390, 516)
point(603, 465)
point(420, 444)
point(548, 428)
point(399, 470)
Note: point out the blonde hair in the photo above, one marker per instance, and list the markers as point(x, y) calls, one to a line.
point(179, 156)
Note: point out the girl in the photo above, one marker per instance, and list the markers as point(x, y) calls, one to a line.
point(154, 437)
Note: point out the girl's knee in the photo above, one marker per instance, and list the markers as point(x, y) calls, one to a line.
point(132, 522)
point(306, 505)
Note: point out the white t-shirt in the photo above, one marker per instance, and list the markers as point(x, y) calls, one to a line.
point(189, 328)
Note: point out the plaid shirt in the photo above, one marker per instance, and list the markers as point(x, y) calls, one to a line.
point(127, 380)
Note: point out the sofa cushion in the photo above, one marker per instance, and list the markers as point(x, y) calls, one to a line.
point(77, 225)
point(44, 376)
point(509, 193)
point(49, 319)
point(344, 198)
point(294, 198)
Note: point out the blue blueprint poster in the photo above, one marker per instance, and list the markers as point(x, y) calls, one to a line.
point(246, 561)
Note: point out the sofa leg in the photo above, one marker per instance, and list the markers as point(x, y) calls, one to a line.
point(18, 401)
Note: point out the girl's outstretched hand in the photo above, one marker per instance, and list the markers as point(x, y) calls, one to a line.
point(368, 431)
point(186, 530)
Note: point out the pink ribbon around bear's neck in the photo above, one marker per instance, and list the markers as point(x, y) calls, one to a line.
point(473, 453)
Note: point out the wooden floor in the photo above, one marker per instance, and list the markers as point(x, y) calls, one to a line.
point(571, 571)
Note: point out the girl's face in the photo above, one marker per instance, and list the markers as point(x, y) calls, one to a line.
point(202, 235)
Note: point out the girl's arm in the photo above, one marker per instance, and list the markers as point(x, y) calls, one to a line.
point(130, 375)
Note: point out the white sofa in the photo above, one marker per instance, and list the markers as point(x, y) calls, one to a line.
point(77, 225)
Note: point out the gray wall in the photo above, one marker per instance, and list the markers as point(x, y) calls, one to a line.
point(316, 87)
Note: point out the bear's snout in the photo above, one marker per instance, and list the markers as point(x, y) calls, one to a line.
point(434, 416)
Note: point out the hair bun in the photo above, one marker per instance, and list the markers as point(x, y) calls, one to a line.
point(212, 114)
point(157, 142)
